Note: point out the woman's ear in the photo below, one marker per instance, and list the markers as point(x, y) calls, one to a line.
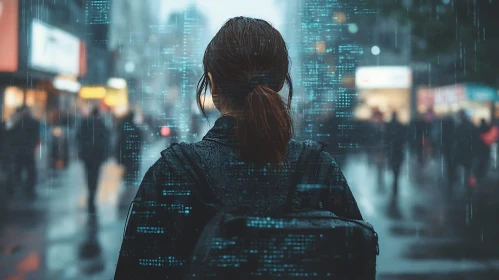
point(212, 86)
point(215, 97)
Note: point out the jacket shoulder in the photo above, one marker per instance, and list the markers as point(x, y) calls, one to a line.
point(170, 157)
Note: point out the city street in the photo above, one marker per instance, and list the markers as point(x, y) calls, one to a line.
point(420, 238)
point(424, 235)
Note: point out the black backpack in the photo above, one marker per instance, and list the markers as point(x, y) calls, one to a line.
point(300, 243)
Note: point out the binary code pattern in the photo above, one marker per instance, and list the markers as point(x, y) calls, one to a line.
point(97, 11)
point(168, 218)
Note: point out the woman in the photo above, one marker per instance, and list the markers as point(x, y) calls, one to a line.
point(247, 156)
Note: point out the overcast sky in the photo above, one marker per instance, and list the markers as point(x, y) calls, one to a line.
point(218, 11)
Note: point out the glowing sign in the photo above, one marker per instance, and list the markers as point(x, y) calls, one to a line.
point(93, 92)
point(383, 77)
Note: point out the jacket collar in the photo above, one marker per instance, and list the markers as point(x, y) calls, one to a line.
point(223, 131)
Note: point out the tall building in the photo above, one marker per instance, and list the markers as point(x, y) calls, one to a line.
point(329, 56)
point(135, 46)
point(183, 42)
point(97, 14)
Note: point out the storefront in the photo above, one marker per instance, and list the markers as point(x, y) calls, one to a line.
point(42, 59)
point(112, 98)
point(479, 101)
point(39, 64)
point(383, 90)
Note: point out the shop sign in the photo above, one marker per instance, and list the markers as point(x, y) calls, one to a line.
point(97, 92)
point(481, 93)
point(382, 77)
point(9, 35)
point(54, 50)
point(449, 94)
point(66, 83)
point(426, 97)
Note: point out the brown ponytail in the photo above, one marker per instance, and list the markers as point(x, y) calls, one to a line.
point(265, 127)
point(249, 64)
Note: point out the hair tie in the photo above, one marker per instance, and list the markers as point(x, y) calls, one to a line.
point(254, 82)
point(262, 78)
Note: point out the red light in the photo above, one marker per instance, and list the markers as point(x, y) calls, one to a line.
point(472, 181)
point(165, 131)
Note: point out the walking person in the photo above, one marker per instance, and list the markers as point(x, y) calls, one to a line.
point(22, 141)
point(465, 139)
point(3, 162)
point(394, 141)
point(128, 152)
point(483, 151)
point(197, 201)
point(449, 151)
point(92, 137)
point(377, 152)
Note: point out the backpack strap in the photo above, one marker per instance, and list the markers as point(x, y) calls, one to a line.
point(186, 155)
point(307, 168)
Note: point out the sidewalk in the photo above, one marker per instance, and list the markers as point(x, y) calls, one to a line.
point(419, 236)
point(53, 237)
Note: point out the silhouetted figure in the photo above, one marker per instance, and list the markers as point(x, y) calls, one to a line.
point(394, 141)
point(128, 153)
point(465, 139)
point(3, 159)
point(22, 140)
point(483, 151)
point(92, 137)
point(448, 150)
point(377, 153)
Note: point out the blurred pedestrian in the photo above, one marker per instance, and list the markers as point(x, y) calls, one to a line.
point(128, 155)
point(423, 138)
point(394, 141)
point(377, 153)
point(3, 162)
point(448, 149)
point(465, 139)
point(22, 140)
point(92, 137)
point(483, 151)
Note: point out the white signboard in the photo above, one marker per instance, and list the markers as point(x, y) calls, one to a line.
point(54, 50)
point(380, 77)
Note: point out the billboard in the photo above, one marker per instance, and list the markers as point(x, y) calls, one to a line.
point(383, 77)
point(54, 50)
point(9, 44)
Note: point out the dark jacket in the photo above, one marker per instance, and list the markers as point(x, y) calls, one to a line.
point(466, 137)
point(167, 215)
point(93, 140)
point(23, 137)
point(3, 134)
point(394, 142)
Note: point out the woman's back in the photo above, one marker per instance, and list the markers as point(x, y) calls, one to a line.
point(248, 157)
point(169, 213)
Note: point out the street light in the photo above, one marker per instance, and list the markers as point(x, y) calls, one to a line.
point(130, 67)
point(320, 47)
point(353, 28)
point(339, 17)
point(375, 50)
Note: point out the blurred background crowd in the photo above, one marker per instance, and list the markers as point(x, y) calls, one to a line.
point(405, 93)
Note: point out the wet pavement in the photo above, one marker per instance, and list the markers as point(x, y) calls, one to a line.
point(53, 236)
point(424, 235)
